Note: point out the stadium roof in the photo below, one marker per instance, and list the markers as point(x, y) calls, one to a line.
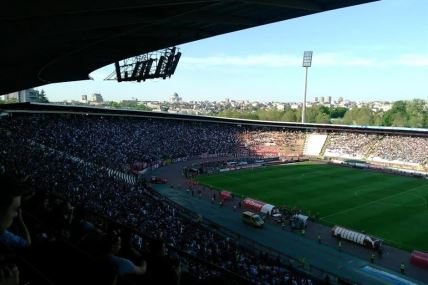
point(57, 41)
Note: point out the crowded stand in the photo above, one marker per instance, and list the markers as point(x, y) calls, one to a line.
point(44, 150)
point(350, 145)
point(67, 162)
point(117, 143)
point(274, 143)
point(399, 149)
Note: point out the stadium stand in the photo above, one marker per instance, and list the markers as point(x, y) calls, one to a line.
point(274, 143)
point(93, 138)
point(82, 162)
point(48, 152)
point(350, 145)
point(401, 150)
point(79, 165)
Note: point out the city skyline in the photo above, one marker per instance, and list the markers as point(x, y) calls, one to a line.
point(316, 99)
point(376, 51)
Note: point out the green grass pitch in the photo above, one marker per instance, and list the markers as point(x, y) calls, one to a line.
point(388, 206)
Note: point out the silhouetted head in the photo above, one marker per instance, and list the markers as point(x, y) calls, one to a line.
point(111, 244)
point(10, 200)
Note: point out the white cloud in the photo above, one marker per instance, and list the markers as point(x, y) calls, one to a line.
point(267, 60)
point(285, 60)
point(333, 59)
point(416, 60)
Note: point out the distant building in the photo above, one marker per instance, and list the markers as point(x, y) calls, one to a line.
point(84, 99)
point(329, 100)
point(386, 107)
point(316, 99)
point(322, 99)
point(174, 98)
point(153, 105)
point(381, 106)
point(97, 98)
point(28, 95)
point(295, 105)
point(280, 107)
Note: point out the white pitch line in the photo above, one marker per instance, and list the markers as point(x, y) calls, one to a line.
point(371, 202)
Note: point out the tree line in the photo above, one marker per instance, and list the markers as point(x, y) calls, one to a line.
point(410, 114)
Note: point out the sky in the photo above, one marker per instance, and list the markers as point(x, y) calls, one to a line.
point(375, 51)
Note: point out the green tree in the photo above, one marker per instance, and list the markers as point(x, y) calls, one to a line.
point(322, 118)
point(311, 114)
point(250, 115)
point(115, 105)
point(359, 116)
point(416, 113)
point(270, 115)
point(289, 115)
point(407, 114)
point(338, 112)
point(399, 120)
point(141, 107)
point(41, 97)
point(378, 119)
point(402, 114)
point(131, 106)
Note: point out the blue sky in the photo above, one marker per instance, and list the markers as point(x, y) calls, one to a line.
point(375, 51)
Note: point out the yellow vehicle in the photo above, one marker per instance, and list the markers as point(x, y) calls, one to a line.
point(252, 219)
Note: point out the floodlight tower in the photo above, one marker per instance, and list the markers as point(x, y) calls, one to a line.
point(307, 61)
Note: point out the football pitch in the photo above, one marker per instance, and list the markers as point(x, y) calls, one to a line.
point(391, 207)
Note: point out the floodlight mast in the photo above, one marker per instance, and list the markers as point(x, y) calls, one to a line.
point(307, 61)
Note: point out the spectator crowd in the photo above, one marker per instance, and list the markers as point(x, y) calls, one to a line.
point(350, 145)
point(403, 149)
point(119, 142)
point(44, 150)
point(69, 157)
point(277, 143)
point(394, 149)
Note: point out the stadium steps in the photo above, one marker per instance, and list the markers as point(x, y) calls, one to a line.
point(305, 144)
point(314, 144)
point(324, 147)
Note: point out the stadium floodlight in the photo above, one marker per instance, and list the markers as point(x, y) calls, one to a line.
point(307, 62)
point(307, 58)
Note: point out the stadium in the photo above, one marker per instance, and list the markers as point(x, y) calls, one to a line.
point(344, 176)
point(134, 197)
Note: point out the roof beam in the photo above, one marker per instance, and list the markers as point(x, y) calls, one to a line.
point(306, 5)
point(208, 18)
